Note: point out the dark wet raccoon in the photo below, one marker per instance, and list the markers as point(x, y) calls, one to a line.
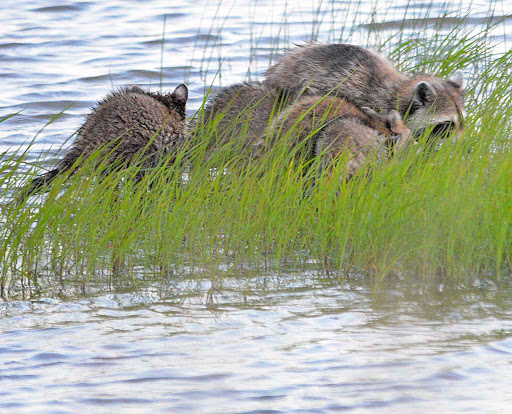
point(128, 123)
point(368, 79)
point(332, 126)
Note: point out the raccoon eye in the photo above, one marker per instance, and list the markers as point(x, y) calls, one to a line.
point(444, 128)
point(414, 107)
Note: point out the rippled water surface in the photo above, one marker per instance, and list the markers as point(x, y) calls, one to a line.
point(291, 343)
point(295, 347)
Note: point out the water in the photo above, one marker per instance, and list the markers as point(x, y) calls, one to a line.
point(294, 343)
point(297, 346)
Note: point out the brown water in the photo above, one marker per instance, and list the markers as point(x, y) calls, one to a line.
point(294, 343)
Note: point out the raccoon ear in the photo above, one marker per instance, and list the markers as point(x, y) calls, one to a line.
point(136, 89)
point(424, 93)
point(458, 79)
point(181, 93)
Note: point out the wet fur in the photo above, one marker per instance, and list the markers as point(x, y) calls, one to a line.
point(127, 123)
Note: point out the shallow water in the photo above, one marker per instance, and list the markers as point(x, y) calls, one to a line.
point(295, 345)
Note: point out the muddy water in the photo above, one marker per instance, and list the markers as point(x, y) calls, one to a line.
point(292, 345)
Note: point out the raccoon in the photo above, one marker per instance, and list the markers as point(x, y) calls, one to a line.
point(367, 79)
point(330, 125)
point(310, 112)
point(243, 111)
point(257, 115)
point(127, 123)
point(353, 134)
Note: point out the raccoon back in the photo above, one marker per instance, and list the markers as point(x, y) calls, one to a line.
point(244, 111)
point(132, 120)
point(360, 75)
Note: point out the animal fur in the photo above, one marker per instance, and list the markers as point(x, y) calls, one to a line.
point(367, 79)
point(243, 111)
point(323, 125)
point(331, 125)
point(353, 135)
point(126, 124)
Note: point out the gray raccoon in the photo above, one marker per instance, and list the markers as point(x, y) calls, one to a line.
point(368, 79)
point(332, 125)
point(243, 111)
point(127, 123)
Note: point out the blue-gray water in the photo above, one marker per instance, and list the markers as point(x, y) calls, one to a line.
point(296, 347)
point(292, 344)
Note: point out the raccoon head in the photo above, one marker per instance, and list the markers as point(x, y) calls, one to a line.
point(434, 105)
point(177, 100)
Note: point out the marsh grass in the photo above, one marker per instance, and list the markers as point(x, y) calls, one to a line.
point(440, 214)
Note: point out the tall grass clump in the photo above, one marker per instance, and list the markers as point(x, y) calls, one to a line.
point(430, 213)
